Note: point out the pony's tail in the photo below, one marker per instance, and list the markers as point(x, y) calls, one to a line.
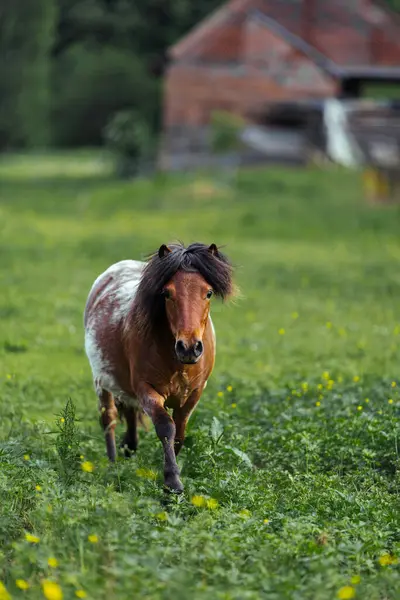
point(143, 420)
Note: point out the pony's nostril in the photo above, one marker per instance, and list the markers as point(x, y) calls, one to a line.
point(180, 346)
point(198, 348)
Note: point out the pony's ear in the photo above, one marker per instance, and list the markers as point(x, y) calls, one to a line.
point(213, 250)
point(163, 251)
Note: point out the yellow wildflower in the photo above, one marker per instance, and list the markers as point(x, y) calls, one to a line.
point(81, 457)
point(390, 400)
point(220, 394)
point(62, 420)
point(355, 580)
point(329, 384)
point(266, 521)
point(281, 331)
point(93, 538)
point(233, 405)
point(9, 376)
point(33, 539)
point(325, 375)
point(22, 584)
point(318, 403)
point(38, 488)
point(212, 503)
point(387, 559)
point(80, 594)
point(356, 379)
point(366, 400)
point(394, 384)
point(295, 315)
point(162, 516)
point(304, 386)
point(4, 595)
point(51, 590)
point(359, 407)
point(340, 379)
point(52, 562)
point(198, 501)
point(146, 473)
point(346, 593)
point(328, 325)
point(245, 514)
point(319, 386)
point(27, 457)
point(229, 388)
point(87, 466)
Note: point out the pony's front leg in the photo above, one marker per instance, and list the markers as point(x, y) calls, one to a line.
point(181, 417)
point(153, 405)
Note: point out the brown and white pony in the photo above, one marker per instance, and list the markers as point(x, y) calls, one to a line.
point(150, 342)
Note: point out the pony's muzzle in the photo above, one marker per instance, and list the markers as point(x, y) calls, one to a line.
point(188, 354)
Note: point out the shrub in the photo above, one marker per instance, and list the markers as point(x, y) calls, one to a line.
point(225, 129)
point(129, 139)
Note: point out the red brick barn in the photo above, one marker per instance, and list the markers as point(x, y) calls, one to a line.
point(251, 53)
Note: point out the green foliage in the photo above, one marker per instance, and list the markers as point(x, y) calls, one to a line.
point(67, 443)
point(291, 463)
point(145, 28)
point(92, 83)
point(394, 4)
point(129, 139)
point(86, 59)
point(225, 129)
point(382, 91)
point(26, 37)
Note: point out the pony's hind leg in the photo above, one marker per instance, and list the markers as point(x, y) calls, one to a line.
point(130, 440)
point(108, 420)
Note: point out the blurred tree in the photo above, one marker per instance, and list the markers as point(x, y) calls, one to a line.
point(93, 82)
point(109, 56)
point(106, 55)
point(26, 37)
point(395, 4)
point(145, 27)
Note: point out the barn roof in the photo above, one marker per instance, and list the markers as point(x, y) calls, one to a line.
point(209, 26)
point(364, 72)
point(286, 18)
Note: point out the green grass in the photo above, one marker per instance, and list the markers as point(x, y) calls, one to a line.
point(302, 455)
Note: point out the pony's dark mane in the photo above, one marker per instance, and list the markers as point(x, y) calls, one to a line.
point(208, 261)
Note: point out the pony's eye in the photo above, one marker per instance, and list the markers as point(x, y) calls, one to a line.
point(209, 294)
point(166, 293)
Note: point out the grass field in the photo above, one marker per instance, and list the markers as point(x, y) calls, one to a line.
point(291, 467)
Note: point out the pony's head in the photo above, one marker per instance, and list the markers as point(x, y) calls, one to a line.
point(178, 283)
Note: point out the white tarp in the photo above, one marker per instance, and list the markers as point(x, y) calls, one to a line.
point(274, 141)
point(341, 146)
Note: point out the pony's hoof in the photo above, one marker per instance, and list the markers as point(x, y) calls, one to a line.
point(126, 451)
point(128, 447)
point(173, 485)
